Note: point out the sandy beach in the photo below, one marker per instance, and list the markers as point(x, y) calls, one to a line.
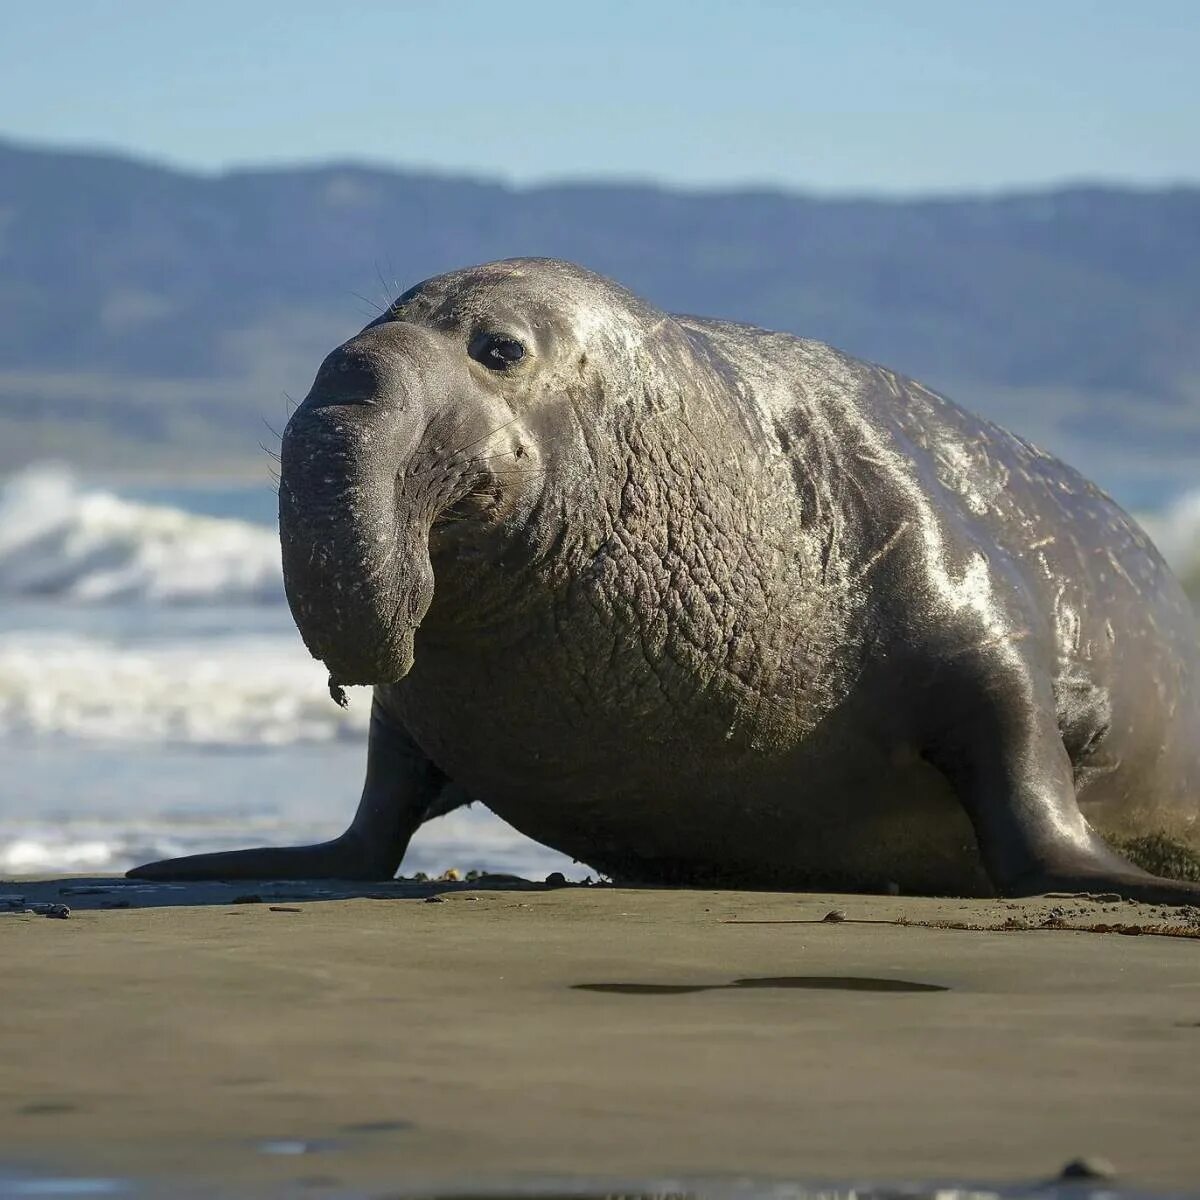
point(366, 1038)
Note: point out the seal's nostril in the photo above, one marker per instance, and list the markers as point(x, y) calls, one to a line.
point(351, 375)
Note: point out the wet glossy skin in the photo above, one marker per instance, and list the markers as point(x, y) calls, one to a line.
point(694, 601)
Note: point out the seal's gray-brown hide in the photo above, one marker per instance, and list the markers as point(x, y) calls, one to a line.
point(693, 601)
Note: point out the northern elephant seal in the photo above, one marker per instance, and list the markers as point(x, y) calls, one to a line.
point(694, 601)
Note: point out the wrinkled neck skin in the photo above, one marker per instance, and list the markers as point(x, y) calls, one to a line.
point(679, 561)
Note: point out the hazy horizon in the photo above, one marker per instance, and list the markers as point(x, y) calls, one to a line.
point(615, 180)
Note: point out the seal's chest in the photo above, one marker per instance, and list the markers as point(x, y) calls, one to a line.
point(567, 751)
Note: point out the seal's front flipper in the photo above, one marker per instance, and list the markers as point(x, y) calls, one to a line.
point(338, 859)
point(1005, 757)
point(401, 788)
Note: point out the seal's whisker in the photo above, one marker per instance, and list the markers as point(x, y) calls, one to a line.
point(490, 434)
point(504, 455)
point(374, 304)
point(388, 292)
point(455, 431)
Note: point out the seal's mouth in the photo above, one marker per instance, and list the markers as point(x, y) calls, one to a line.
point(367, 665)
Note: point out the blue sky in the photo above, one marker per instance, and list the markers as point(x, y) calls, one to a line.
point(900, 97)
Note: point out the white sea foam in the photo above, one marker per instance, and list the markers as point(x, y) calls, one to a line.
point(234, 690)
point(61, 539)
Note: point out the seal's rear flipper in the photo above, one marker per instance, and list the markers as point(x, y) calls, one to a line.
point(1004, 755)
point(1126, 881)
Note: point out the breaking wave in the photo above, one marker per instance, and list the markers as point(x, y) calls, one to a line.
point(87, 545)
point(237, 690)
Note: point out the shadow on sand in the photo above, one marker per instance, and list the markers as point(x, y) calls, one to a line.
point(108, 892)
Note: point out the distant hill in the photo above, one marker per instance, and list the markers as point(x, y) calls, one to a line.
point(150, 319)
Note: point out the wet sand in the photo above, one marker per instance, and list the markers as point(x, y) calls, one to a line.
point(391, 1041)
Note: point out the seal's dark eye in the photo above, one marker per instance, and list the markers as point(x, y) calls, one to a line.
point(498, 353)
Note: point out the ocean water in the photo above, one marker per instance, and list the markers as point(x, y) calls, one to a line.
point(155, 698)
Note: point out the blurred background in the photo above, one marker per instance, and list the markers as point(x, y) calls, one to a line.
point(198, 202)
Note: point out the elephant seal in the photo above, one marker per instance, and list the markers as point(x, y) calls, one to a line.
point(692, 601)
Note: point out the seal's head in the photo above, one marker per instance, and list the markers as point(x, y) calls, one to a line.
point(440, 441)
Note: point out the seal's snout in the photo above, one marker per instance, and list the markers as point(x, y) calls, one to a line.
point(373, 369)
point(355, 548)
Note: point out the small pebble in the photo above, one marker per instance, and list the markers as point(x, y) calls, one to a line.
point(435, 899)
point(283, 908)
point(834, 915)
point(1088, 1168)
point(59, 911)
